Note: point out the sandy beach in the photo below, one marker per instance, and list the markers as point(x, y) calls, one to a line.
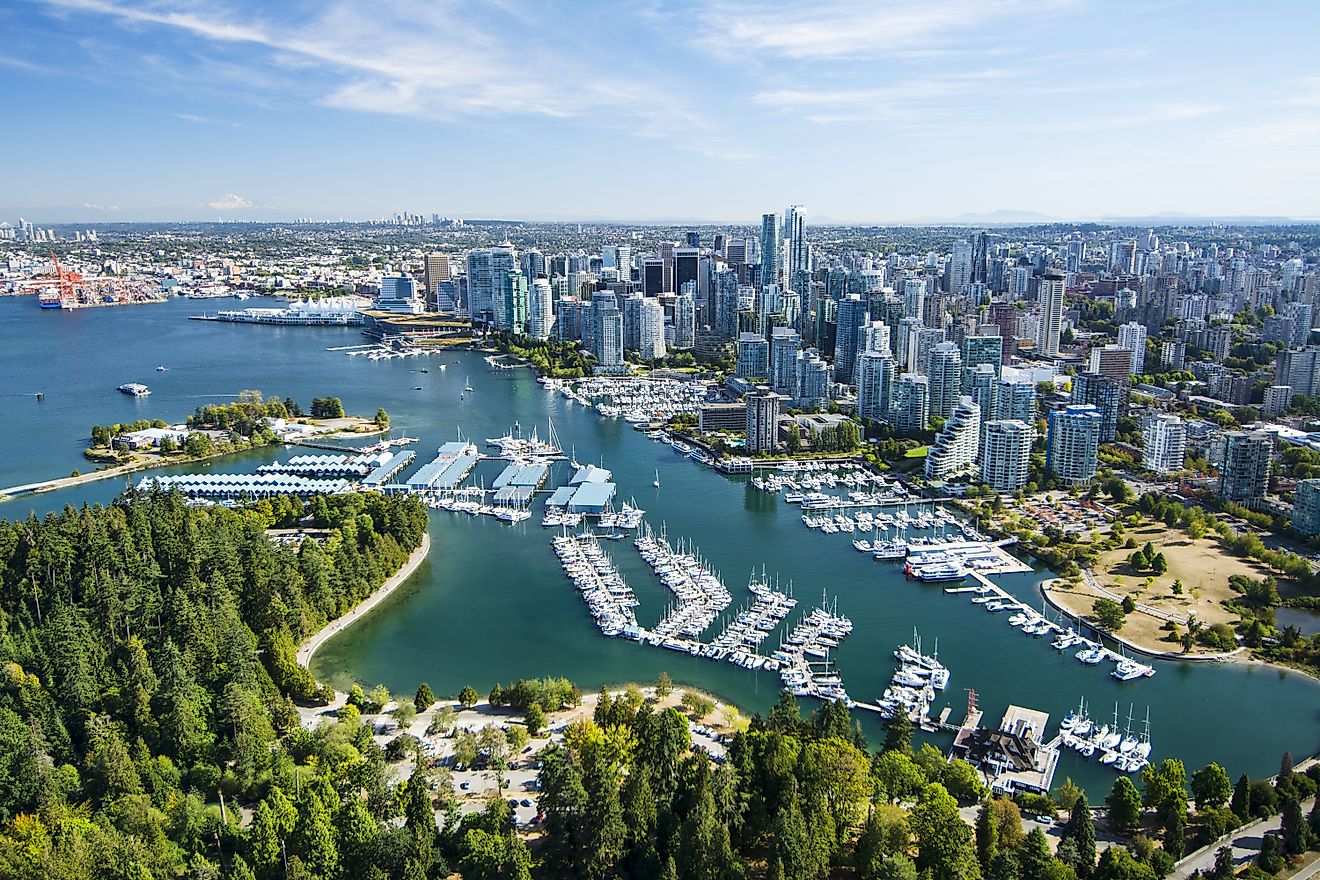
point(312, 642)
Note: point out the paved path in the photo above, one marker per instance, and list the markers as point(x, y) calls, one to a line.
point(1246, 842)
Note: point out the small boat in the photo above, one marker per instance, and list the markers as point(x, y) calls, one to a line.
point(41, 395)
point(467, 384)
point(417, 388)
point(656, 483)
point(160, 369)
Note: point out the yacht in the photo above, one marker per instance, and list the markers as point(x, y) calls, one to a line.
point(939, 572)
point(1092, 655)
point(1128, 669)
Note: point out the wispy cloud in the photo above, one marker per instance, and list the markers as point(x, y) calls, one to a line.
point(837, 29)
point(230, 202)
point(196, 119)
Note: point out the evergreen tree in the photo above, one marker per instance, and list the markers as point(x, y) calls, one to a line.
point(1241, 802)
point(792, 844)
point(1175, 835)
point(704, 852)
point(424, 698)
point(1080, 830)
point(987, 836)
point(898, 734)
point(603, 829)
point(1296, 833)
point(1037, 859)
point(1124, 803)
point(1211, 786)
point(1271, 859)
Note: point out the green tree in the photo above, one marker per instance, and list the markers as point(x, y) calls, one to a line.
point(603, 827)
point(1241, 802)
point(1296, 833)
point(1116, 863)
point(664, 685)
point(897, 776)
point(382, 419)
point(1271, 859)
point(1124, 803)
point(425, 698)
point(898, 734)
point(1108, 614)
point(945, 845)
point(987, 836)
point(468, 697)
point(1080, 831)
point(1211, 786)
point(534, 719)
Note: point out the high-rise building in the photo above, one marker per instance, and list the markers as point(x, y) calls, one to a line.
point(799, 252)
point(667, 266)
point(540, 309)
point(762, 421)
point(753, 357)
point(725, 323)
point(1174, 354)
point(434, 270)
point(513, 294)
point(875, 385)
point(632, 322)
point(954, 451)
point(1006, 454)
point(687, 268)
point(914, 298)
point(1277, 400)
point(771, 248)
point(609, 340)
point(1049, 295)
point(685, 321)
point(1299, 369)
point(911, 403)
point(1306, 508)
point(398, 294)
point(981, 350)
point(502, 259)
point(981, 384)
point(1106, 395)
point(651, 332)
point(1016, 400)
point(1132, 336)
point(653, 276)
point(1114, 361)
point(852, 317)
point(1164, 443)
point(1244, 474)
point(785, 343)
point(959, 268)
point(945, 372)
point(921, 340)
point(811, 382)
point(1072, 443)
point(480, 286)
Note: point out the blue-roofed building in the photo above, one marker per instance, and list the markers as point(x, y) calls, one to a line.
point(561, 497)
point(591, 498)
point(589, 473)
point(385, 471)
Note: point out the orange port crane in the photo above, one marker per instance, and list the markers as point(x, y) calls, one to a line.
point(66, 280)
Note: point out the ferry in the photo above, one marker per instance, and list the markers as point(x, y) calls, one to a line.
point(134, 389)
point(939, 572)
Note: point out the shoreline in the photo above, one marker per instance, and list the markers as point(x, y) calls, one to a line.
point(310, 644)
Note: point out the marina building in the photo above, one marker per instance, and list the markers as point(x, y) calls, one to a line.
point(763, 421)
point(1306, 508)
point(731, 417)
point(1164, 443)
point(956, 446)
point(1015, 757)
point(227, 487)
point(1072, 443)
point(1006, 454)
point(1245, 471)
point(458, 456)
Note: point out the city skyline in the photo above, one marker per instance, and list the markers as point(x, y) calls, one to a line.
point(677, 112)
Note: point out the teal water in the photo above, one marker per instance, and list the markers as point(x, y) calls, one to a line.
point(492, 605)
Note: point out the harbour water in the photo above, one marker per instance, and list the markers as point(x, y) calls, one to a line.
point(492, 603)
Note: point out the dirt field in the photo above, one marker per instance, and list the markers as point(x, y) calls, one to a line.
point(1202, 567)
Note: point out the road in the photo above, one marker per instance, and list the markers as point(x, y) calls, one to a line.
point(1246, 842)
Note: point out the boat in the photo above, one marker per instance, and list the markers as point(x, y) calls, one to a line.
point(1128, 669)
point(467, 384)
point(50, 299)
point(938, 572)
point(134, 389)
point(656, 483)
point(161, 369)
point(1092, 655)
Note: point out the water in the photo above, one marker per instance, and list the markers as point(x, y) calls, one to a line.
point(492, 605)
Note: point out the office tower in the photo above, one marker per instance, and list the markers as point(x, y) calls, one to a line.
point(398, 294)
point(1106, 395)
point(1164, 443)
point(920, 342)
point(685, 321)
point(875, 383)
point(771, 246)
point(1114, 361)
point(1074, 256)
point(1050, 298)
point(959, 268)
point(1174, 354)
point(435, 269)
point(1244, 474)
point(753, 357)
point(480, 288)
point(911, 403)
point(1277, 400)
point(811, 382)
point(540, 309)
point(532, 263)
point(1004, 316)
point(1072, 443)
point(914, 298)
point(954, 451)
point(653, 276)
point(651, 335)
point(692, 238)
point(687, 266)
point(981, 350)
point(1016, 400)
point(762, 421)
point(1299, 369)
point(945, 372)
point(1006, 454)
point(981, 384)
point(852, 317)
point(1306, 508)
point(667, 266)
point(799, 252)
point(1132, 336)
point(785, 343)
point(513, 296)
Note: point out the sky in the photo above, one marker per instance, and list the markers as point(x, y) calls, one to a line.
point(714, 110)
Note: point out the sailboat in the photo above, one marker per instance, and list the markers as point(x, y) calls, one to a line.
point(657, 480)
point(467, 384)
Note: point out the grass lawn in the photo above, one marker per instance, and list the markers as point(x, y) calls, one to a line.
point(918, 452)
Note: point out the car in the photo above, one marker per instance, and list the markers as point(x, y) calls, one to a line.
point(526, 802)
point(464, 785)
point(1045, 820)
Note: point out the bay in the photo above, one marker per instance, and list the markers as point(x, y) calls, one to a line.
point(492, 605)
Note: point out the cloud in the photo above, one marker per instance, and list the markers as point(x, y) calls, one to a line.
point(205, 120)
point(89, 206)
point(837, 30)
point(230, 202)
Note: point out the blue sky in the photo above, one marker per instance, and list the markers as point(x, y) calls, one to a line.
point(715, 109)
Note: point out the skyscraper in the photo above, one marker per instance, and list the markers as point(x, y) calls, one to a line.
point(1132, 336)
point(921, 340)
point(1106, 395)
point(911, 403)
point(982, 386)
point(1306, 508)
point(502, 259)
point(811, 381)
point(685, 321)
point(687, 265)
point(981, 350)
point(762, 421)
point(954, 451)
point(753, 357)
point(799, 253)
point(651, 332)
point(771, 246)
point(1050, 298)
point(875, 382)
point(1016, 400)
point(1245, 472)
point(513, 295)
point(540, 309)
point(435, 269)
point(480, 287)
point(1072, 443)
point(785, 343)
point(852, 317)
point(1006, 454)
point(945, 372)
point(914, 298)
point(1164, 443)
